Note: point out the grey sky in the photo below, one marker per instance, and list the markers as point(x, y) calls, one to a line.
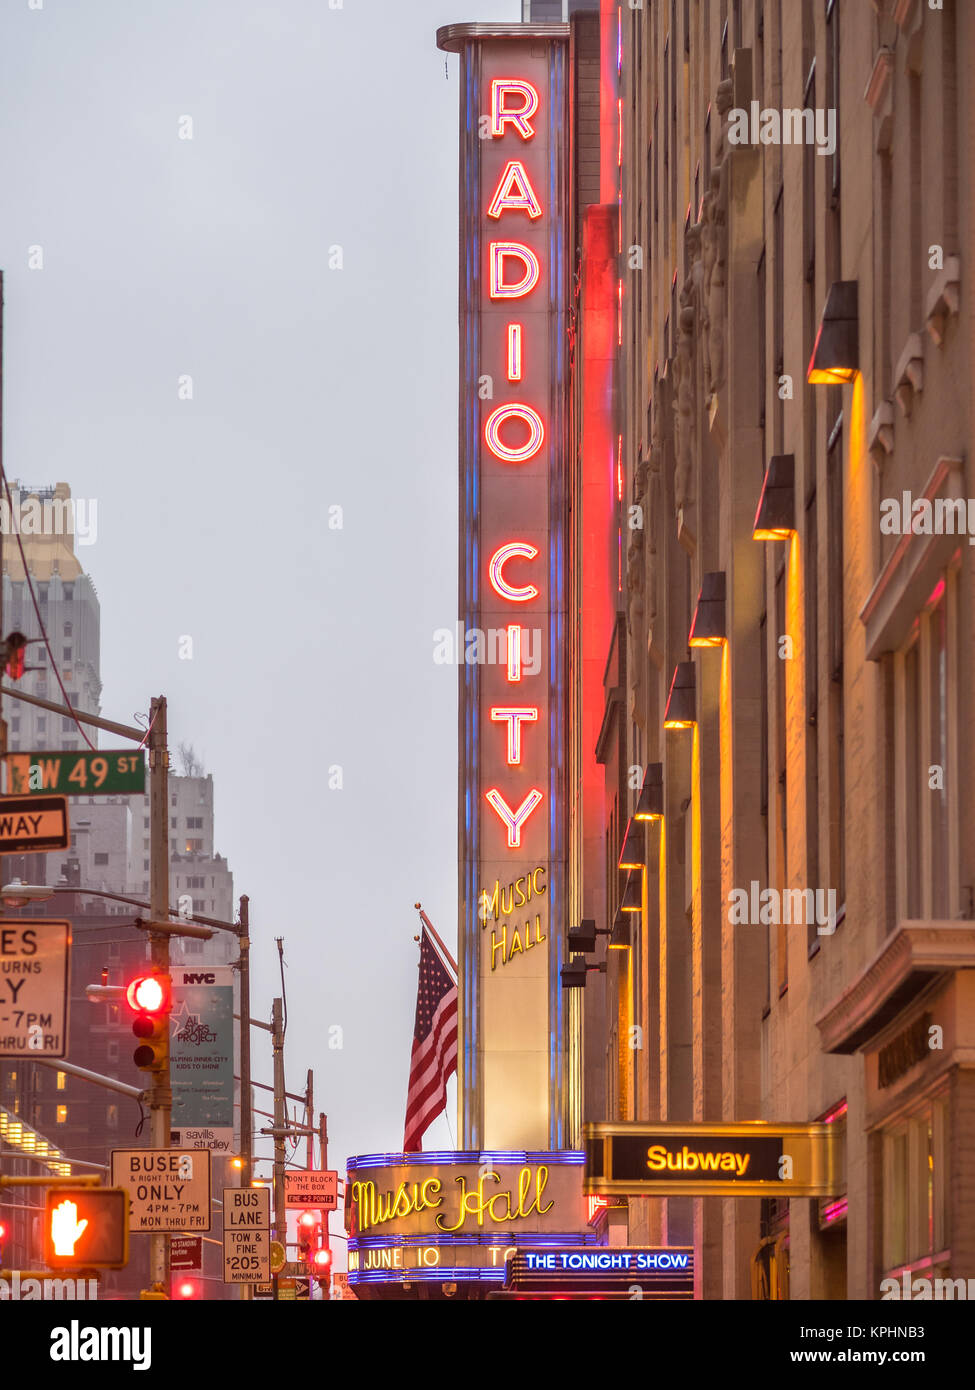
point(311, 387)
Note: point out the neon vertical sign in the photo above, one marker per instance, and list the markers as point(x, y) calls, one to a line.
point(514, 470)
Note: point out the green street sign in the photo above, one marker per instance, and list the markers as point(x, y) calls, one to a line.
point(108, 772)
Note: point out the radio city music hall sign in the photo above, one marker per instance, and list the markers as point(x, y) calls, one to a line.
point(514, 484)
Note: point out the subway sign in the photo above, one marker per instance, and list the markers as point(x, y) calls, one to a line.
point(754, 1159)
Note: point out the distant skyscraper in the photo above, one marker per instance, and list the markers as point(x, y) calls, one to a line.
point(47, 520)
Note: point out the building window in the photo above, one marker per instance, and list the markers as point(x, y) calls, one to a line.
point(173, 823)
point(62, 1115)
point(915, 1188)
point(65, 653)
point(101, 857)
point(194, 822)
point(62, 1080)
point(194, 847)
point(67, 629)
point(111, 1050)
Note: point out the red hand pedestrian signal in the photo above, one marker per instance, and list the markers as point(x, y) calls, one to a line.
point(86, 1227)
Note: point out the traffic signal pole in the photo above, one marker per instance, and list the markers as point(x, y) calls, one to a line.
point(280, 1122)
point(160, 1092)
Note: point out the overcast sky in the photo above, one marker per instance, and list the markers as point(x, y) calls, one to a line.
point(167, 257)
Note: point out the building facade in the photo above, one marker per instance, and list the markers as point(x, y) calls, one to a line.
point(792, 654)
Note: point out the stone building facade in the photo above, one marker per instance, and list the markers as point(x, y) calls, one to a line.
point(832, 737)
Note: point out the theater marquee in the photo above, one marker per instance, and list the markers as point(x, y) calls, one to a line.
point(513, 519)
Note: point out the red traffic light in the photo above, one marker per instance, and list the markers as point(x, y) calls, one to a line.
point(322, 1259)
point(148, 994)
point(308, 1219)
point(186, 1288)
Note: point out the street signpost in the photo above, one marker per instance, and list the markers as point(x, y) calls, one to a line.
point(34, 960)
point(246, 1235)
point(169, 1188)
point(101, 772)
point(33, 824)
point(311, 1188)
point(185, 1252)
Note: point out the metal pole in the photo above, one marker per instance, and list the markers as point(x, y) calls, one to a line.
point(309, 1116)
point(277, 1043)
point(246, 1115)
point(160, 1093)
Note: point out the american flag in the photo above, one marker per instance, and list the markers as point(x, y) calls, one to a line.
point(434, 1054)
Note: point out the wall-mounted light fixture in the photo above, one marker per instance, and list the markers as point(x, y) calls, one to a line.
point(681, 712)
point(619, 939)
point(632, 896)
point(651, 803)
point(836, 354)
point(633, 855)
point(708, 624)
point(775, 519)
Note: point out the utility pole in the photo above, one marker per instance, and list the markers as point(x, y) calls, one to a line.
point(246, 1116)
point(309, 1115)
point(160, 1093)
point(280, 1119)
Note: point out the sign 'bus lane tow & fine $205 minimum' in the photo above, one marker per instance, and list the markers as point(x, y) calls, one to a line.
point(246, 1235)
point(169, 1188)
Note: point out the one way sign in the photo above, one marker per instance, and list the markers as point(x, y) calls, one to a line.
point(33, 824)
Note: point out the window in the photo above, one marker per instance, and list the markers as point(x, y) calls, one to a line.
point(172, 824)
point(915, 1187)
point(145, 863)
point(101, 857)
point(65, 653)
point(67, 629)
point(145, 822)
point(194, 822)
point(62, 1080)
point(111, 1050)
point(199, 905)
point(67, 723)
point(62, 1115)
point(194, 847)
point(15, 725)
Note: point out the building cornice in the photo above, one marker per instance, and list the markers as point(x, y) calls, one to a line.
point(452, 37)
point(912, 957)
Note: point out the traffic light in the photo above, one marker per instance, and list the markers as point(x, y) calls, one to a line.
point(309, 1229)
point(13, 649)
point(184, 1289)
point(320, 1266)
point(150, 996)
point(86, 1227)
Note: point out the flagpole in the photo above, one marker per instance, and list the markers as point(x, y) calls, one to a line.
point(433, 932)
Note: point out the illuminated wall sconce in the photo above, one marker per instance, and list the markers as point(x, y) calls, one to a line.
point(633, 855)
point(708, 623)
point(680, 712)
point(619, 939)
point(632, 897)
point(651, 803)
point(836, 353)
point(775, 519)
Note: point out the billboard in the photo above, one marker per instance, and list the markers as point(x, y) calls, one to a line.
point(201, 1052)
